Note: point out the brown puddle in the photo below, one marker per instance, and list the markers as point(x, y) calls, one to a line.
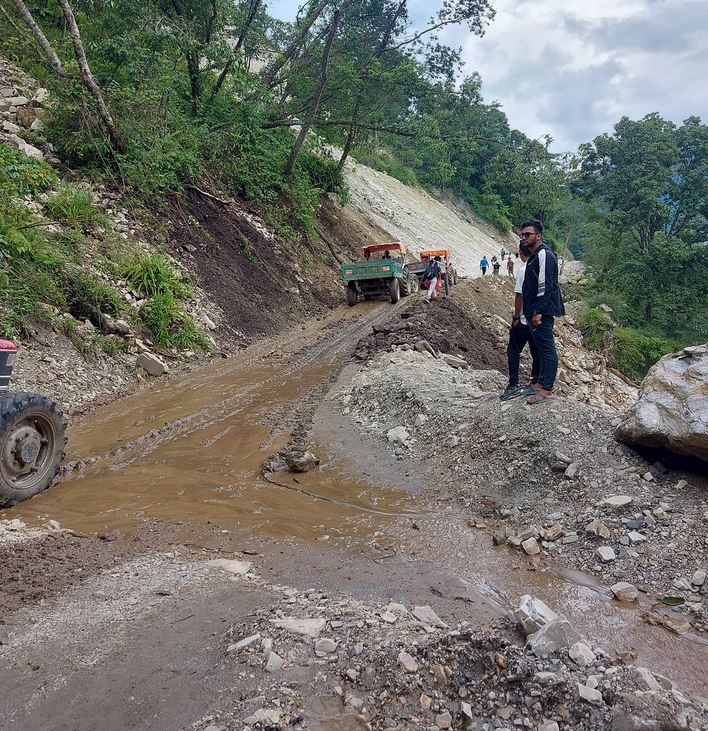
point(191, 451)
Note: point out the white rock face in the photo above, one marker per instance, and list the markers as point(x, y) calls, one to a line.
point(672, 410)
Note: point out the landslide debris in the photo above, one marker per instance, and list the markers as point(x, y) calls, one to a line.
point(552, 477)
point(344, 663)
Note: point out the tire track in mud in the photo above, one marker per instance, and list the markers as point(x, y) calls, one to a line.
point(320, 356)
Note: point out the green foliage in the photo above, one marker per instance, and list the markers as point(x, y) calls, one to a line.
point(169, 325)
point(388, 164)
point(73, 206)
point(594, 323)
point(634, 353)
point(152, 274)
point(489, 206)
point(88, 296)
point(322, 172)
point(21, 175)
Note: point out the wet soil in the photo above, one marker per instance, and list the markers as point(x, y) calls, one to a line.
point(121, 633)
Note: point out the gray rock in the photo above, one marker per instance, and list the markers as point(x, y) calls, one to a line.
point(307, 627)
point(618, 501)
point(635, 537)
point(625, 591)
point(589, 695)
point(581, 654)
point(443, 720)
point(420, 419)
point(398, 435)
point(152, 364)
point(531, 547)
point(408, 664)
point(25, 147)
point(598, 528)
point(274, 663)
point(606, 554)
point(532, 614)
point(242, 644)
point(325, 646)
point(426, 615)
point(571, 471)
point(699, 578)
point(556, 636)
point(672, 410)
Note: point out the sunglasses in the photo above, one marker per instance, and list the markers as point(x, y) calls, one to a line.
point(527, 235)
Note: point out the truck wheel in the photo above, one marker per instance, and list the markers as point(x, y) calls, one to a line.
point(32, 440)
point(454, 276)
point(394, 291)
point(406, 285)
point(447, 284)
point(352, 294)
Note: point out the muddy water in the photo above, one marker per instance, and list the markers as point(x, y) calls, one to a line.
point(191, 451)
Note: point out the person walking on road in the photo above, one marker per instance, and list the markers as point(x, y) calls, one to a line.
point(519, 336)
point(542, 303)
point(510, 267)
point(432, 273)
point(483, 265)
point(496, 264)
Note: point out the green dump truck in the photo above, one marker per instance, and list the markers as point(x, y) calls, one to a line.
point(382, 270)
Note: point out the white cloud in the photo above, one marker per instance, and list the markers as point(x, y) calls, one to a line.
point(572, 68)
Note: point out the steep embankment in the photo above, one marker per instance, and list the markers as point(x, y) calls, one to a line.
point(414, 217)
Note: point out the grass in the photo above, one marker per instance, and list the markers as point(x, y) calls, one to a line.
point(73, 206)
point(154, 274)
point(169, 326)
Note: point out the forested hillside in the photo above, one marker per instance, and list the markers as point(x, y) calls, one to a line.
point(149, 97)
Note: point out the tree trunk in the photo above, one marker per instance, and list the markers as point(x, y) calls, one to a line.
point(380, 49)
point(253, 8)
point(351, 136)
point(195, 79)
point(314, 106)
point(272, 71)
point(49, 53)
point(87, 77)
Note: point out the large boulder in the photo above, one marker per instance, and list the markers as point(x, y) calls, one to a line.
point(672, 409)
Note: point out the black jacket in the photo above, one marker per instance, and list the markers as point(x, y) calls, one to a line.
point(541, 291)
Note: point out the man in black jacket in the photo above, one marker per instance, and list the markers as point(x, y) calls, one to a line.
point(542, 303)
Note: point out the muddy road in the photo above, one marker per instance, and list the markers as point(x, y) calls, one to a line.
point(119, 624)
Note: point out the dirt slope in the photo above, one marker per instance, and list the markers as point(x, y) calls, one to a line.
point(416, 218)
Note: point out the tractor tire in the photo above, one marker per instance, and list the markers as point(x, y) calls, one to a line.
point(32, 440)
point(394, 291)
point(416, 284)
point(406, 285)
point(352, 294)
point(447, 284)
point(454, 276)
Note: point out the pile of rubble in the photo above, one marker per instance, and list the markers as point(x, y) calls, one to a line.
point(398, 667)
point(552, 474)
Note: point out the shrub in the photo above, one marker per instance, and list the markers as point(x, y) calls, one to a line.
point(594, 323)
point(634, 353)
point(152, 274)
point(88, 296)
point(22, 175)
point(322, 172)
point(168, 325)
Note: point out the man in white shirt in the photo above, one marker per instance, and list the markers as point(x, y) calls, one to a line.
point(519, 335)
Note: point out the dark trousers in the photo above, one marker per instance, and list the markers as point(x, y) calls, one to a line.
point(484, 270)
point(519, 335)
point(542, 337)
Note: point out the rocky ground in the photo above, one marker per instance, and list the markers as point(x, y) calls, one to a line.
point(551, 479)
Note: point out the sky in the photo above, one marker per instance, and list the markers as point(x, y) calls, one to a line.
point(573, 68)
